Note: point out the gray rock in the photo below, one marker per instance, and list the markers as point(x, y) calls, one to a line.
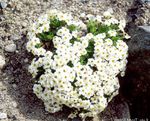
point(135, 85)
point(26, 60)
point(116, 109)
point(14, 86)
point(14, 104)
point(15, 37)
point(84, 1)
point(145, 28)
point(24, 24)
point(10, 48)
point(139, 43)
point(1, 43)
point(3, 116)
point(2, 61)
point(3, 5)
point(144, 1)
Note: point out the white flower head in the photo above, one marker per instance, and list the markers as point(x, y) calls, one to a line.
point(77, 65)
point(108, 13)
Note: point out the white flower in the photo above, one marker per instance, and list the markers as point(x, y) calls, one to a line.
point(108, 13)
point(112, 33)
point(99, 18)
point(127, 36)
point(46, 27)
point(63, 31)
point(108, 42)
point(100, 36)
point(75, 34)
point(89, 36)
point(70, 70)
point(107, 22)
point(83, 15)
point(122, 25)
point(90, 16)
point(114, 21)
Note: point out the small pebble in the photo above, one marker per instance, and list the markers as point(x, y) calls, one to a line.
point(2, 62)
point(14, 86)
point(15, 37)
point(83, 15)
point(26, 60)
point(10, 48)
point(84, 1)
point(3, 115)
point(14, 104)
point(24, 24)
point(2, 87)
point(3, 5)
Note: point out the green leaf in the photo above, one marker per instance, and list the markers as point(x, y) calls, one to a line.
point(83, 59)
point(40, 72)
point(38, 45)
point(103, 28)
point(70, 64)
point(72, 27)
point(90, 52)
point(73, 40)
point(114, 26)
point(117, 38)
point(50, 36)
point(46, 36)
point(83, 98)
point(55, 23)
point(96, 28)
point(92, 27)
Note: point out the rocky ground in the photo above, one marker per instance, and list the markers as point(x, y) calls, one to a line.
point(17, 102)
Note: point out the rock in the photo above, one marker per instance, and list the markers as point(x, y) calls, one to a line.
point(24, 24)
point(145, 28)
point(14, 104)
point(15, 37)
point(3, 115)
point(144, 1)
point(10, 48)
point(3, 5)
point(139, 46)
point(1, 44)
point(2, 62)
point(135, 85)
point(26, 60)
point(84, 1)
point(2, 87)
point(116, 109)
point(14, 86)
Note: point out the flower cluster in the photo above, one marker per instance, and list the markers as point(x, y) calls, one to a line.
point(76, 61)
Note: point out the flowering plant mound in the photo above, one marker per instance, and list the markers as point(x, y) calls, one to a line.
point(77, 60)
